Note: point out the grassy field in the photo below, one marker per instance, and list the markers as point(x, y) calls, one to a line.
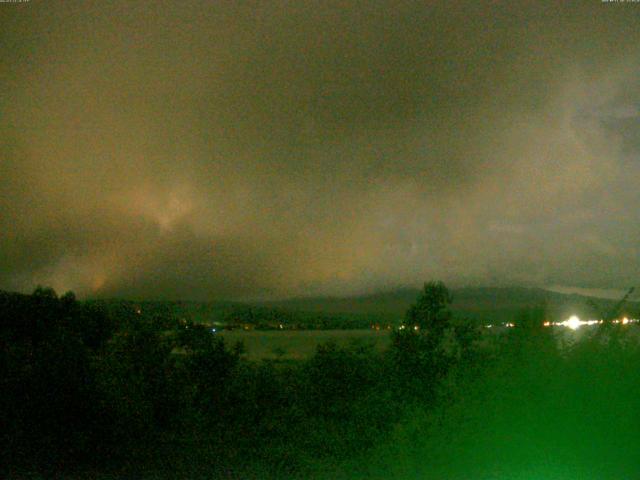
point(299, 344)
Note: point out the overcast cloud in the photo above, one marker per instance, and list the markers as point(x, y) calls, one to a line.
point(259, 149)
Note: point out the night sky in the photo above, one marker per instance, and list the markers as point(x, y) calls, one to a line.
point(206, 150)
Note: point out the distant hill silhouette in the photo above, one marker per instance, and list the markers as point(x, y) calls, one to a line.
point(485, 304)
point(480, 304)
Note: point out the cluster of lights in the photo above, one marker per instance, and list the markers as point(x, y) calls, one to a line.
point(415, 327)
point(574, 323)
point(507, 325)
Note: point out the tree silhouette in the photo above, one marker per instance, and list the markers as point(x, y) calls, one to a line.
point(430, 312)
point(420, 347)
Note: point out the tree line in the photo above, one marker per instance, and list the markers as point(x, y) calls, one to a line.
point(86, 390)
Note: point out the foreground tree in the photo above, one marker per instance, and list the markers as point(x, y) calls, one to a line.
point(431, 312)
point(423, 349)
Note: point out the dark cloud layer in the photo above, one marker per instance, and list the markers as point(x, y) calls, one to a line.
point(243, 149)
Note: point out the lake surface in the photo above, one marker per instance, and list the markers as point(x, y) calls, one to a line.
point(300, 344)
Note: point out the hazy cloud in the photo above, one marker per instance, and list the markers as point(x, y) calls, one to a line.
point(227, 149)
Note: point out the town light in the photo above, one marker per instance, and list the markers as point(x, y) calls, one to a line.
point(573, 322)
